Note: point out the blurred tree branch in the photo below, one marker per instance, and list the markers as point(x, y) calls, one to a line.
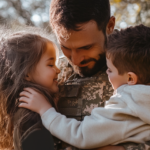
point(21, 12)
point(36, 12)
point(28, 12)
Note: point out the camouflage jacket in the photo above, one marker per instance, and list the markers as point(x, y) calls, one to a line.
point(78, 96)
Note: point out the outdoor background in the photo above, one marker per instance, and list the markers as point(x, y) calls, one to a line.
point(15, 13)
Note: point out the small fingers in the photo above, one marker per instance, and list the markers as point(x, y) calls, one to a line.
point(24, 105)
point(24, 99)
point(25, 94)
point(30, 90)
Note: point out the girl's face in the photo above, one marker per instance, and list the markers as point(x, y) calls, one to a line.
point(46, 72)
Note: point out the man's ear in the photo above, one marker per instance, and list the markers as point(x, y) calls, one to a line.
point(110, 26)
point(132, 78)
point(28, 77)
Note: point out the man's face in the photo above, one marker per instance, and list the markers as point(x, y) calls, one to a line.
point(85, 49)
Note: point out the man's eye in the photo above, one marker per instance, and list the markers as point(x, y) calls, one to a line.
point(88, 47)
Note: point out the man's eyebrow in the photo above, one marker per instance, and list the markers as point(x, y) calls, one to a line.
point(64, 46)
point(82, 47)
point(86, 46)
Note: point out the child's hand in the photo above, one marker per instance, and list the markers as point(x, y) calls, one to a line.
point(34, 101)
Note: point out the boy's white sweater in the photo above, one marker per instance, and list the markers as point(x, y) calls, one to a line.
point(125, 118)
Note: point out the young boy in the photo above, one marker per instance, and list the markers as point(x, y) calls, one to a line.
point(125, 117)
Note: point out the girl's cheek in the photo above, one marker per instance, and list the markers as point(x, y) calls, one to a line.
point(54, 70)
point(52, 73)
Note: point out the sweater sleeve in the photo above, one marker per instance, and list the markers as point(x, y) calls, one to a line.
point(114, 124)
point(94, 131)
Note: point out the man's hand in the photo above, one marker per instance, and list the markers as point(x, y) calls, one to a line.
point(110, 148)
point(34, 101)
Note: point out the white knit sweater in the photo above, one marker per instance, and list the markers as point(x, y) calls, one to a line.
point(125, 118)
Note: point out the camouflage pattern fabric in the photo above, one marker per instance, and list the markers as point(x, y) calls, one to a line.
point(82, 94)
point(79, 96)
point(66, 70)
point(135, 146)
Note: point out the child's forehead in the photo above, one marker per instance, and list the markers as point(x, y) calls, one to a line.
point(50, 44)
point(108, 60)
point(109, 63)
point(50, 50)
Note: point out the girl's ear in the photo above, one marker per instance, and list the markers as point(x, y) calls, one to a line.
point(28, 77)
point(132, 78)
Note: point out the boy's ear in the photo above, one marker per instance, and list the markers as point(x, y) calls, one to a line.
point(132, 78)
point(28, 77)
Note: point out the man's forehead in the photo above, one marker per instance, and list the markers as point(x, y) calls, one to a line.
point(88, 25)
point(88, 34)
point(76, 43)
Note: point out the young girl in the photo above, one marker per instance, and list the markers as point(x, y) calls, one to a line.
point(26, 60)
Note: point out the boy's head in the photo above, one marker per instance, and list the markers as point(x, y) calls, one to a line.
point(128, 56)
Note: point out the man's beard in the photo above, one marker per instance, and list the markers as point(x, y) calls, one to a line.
point(87, 72)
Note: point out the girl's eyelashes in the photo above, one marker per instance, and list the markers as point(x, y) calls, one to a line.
point(51, 65)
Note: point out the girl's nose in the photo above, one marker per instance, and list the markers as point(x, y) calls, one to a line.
point(57, 70)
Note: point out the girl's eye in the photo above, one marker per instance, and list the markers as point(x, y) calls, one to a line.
point(51, 65)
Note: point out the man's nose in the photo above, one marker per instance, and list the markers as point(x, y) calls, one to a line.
point(76, 58)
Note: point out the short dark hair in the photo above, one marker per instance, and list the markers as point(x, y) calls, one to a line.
point(129, 51)
point(68, 14)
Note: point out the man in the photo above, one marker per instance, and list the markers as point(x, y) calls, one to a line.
point(82, 27)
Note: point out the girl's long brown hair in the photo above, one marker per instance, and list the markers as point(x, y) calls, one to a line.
point(19, 53)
